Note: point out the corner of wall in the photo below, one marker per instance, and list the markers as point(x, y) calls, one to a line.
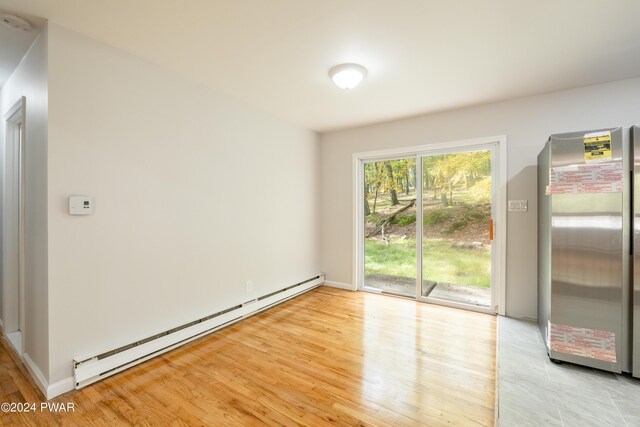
point(30, 80)
point(48, 390)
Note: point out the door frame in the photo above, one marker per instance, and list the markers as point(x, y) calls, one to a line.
point(500, 220)
point(13, 218)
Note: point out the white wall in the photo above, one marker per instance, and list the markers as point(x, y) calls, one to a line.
point(194, 193)
point(29, 79)
point(527, 122)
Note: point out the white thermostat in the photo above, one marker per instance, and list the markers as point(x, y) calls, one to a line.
point(80, 205)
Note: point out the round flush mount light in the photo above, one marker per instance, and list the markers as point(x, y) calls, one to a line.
point(15, 22)
point(347, 76)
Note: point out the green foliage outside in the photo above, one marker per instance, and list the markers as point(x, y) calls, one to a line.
point(447, 174)
point(443, 263)
point(456, 200)
point(452, 219)
point(392, 179)
point(405, 220)
point(436, 216)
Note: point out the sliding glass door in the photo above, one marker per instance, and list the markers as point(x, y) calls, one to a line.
point(390, 226)
point(457, 227)
point(427, 226)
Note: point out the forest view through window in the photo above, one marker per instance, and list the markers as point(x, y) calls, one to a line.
point(456, 247)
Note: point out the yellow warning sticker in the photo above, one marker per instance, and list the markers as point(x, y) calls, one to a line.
point(597, 146)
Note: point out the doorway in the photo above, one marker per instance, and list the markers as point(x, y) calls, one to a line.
point(13, 236)
point(430, 223)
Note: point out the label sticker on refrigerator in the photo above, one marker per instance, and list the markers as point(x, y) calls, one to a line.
point(579, 188)
point(589, 178)
point(603, 172)
point(591, 343)
point(597, 146)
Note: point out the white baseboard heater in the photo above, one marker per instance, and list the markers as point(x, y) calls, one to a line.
point(88, 370)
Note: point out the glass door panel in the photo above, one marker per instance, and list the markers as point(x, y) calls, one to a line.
point(457, 208)
point(390, 226)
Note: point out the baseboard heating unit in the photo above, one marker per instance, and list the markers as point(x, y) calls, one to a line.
point(88, 370)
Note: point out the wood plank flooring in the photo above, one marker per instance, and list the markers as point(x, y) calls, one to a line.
point(328, 357)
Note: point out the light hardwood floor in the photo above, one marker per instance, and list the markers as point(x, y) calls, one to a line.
point(328, 357)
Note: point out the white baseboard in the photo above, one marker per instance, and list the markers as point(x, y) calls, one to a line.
point(60, 387)
point(36, 373)
point(89, 369)
point(339, 285)
point(1, 327)
point(49, 391)
point(68, 384)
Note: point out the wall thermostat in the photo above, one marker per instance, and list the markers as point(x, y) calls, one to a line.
point(80, 205)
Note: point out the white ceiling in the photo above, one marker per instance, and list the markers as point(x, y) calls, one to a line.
point(14, 44)
point(422, 55)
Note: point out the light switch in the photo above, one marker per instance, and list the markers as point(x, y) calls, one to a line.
point(80, 205)
point(518, 205)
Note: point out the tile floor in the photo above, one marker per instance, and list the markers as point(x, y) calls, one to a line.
point(535, 392)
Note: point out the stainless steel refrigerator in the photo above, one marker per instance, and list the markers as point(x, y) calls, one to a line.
point(586, 274)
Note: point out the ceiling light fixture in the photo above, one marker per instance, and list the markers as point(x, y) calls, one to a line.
point(15, 22)
point(347, 76)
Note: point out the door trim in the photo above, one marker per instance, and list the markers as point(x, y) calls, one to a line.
point(14, 317)
point(359, 159)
